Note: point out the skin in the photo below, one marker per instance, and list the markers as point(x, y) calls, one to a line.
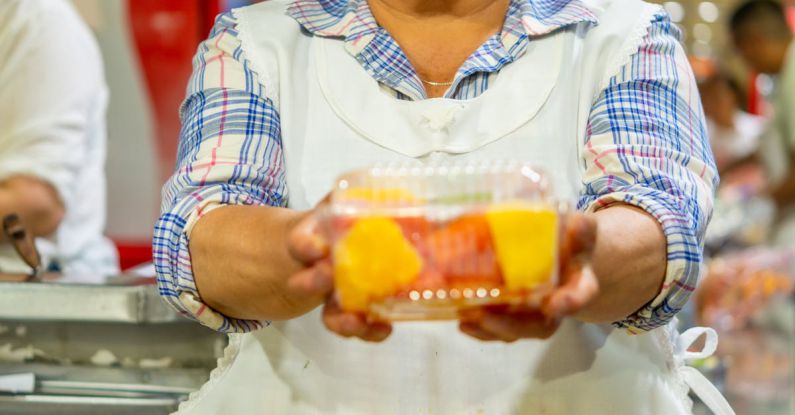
point(37, 203)
point(265, 263)
point(438, 36)
point(762, 53)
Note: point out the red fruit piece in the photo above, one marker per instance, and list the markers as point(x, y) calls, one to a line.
point(415, 228)
point(463, 252)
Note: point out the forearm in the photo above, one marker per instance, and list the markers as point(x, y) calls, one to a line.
point(629, 261)
point(241, 263)
point(35, 201)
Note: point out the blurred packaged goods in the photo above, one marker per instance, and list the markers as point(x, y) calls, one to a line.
point(740, 286)
point(747, 297)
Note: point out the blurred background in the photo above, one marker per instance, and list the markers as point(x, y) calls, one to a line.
point(147, 46)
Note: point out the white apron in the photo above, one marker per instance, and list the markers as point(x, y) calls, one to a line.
point(336, 118)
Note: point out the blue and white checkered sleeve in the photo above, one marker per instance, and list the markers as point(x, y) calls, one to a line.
point(229, 153)
point(646, 146)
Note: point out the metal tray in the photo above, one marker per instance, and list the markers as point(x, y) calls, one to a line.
point(123, 299)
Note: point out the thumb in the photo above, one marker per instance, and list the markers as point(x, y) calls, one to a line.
point(306, 241)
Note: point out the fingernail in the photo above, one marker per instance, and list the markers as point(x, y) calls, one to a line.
point(315, 246)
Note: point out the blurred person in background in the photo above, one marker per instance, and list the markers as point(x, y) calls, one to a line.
point(734, 133)
point(763, 39)
point(52, 137)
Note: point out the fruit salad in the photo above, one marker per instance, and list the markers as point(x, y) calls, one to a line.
point(422, 244)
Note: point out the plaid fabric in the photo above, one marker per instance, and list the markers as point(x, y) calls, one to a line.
point(382, 58)
point(645, 145)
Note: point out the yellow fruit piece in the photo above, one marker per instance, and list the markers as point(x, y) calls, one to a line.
point(372, 261)
point(385, 195)
point(526, 239)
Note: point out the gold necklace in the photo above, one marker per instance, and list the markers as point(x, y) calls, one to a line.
point(431, 83)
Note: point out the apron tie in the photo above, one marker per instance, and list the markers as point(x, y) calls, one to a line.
point(698, 383)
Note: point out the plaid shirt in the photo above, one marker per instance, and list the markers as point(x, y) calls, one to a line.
point(645, 142)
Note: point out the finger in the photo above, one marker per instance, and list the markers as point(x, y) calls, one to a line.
point(584, 233)
point(474, 330)
point(343, 323)
point(511, 327)
point(306, 242)
point(579, 288)
point(313, 281)
point(470, 314)
point(377, 332)
point(579, 236)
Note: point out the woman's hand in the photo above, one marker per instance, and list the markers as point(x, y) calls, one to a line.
point(308, 245)
point(578, 288)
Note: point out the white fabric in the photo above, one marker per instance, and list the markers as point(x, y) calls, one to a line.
point(695, 379)
point(52, 108)
point(335, 118)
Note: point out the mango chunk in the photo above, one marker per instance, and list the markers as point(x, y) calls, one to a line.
point(525, 239)
point(372, 261)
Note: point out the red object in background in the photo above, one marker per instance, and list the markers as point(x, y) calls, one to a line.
point(166, 35)
point(754, 100)
point(132, 253)
point(789, 10)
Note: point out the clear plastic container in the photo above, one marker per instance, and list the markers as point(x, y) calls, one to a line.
point(424, 242)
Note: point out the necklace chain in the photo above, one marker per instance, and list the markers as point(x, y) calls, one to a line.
point(431, 83)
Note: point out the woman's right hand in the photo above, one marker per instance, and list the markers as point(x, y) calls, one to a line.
point(309, 246)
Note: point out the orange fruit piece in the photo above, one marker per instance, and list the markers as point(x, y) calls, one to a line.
point(526, 240)
point(372, 261)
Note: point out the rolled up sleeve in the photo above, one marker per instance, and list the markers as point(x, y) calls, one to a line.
point(647, 147)
point(229, 153)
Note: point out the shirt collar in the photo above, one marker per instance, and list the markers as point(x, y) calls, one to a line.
point(352, 20)
point(365, 40)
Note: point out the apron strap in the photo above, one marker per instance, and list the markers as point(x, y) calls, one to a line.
point(698, 383)
point(690, 336)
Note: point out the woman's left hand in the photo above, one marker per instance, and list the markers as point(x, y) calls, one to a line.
point(578, 286)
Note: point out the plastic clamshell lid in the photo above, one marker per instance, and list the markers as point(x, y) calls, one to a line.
point(420, 242)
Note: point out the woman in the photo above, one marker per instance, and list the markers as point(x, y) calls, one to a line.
point(287, 95)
